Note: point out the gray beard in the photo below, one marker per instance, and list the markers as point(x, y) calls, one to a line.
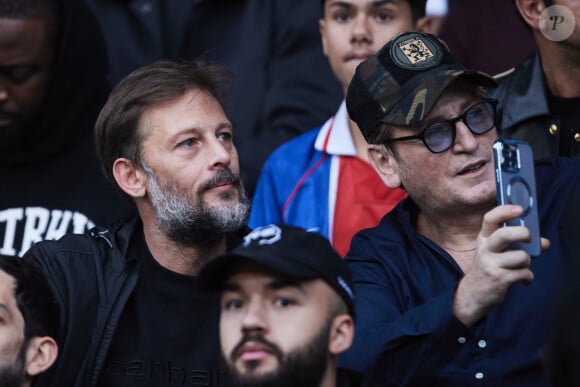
point(188, 222)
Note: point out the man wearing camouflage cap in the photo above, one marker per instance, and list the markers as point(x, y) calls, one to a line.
point(440, 299)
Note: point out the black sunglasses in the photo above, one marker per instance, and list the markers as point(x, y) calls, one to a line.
point(440, 136)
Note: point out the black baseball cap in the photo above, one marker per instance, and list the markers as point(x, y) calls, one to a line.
point(287, 250)
point(401, 83)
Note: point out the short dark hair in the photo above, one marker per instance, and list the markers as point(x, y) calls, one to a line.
point(417, 8)
point(34, 297)
point(24, 9)
point(50, 10)
point(117, 127)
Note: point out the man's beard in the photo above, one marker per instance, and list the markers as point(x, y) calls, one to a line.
point(14, 375)
point(188, 222)
point(304, 366)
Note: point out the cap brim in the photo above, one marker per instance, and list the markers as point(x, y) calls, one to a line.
point(214, 273)
point(421, 97)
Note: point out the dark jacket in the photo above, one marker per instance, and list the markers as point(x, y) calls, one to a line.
point(523, 111)
point(92, 281)
point(52, 184)
point(92, 278)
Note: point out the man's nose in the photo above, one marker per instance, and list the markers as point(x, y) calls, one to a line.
point(360, 29)
point(254, 317)
point(220, 153)
point(464, 137)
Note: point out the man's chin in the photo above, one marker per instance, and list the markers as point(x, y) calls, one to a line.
point(256, 377)
point(222, 195)
point(230, 198)
point(258, 368)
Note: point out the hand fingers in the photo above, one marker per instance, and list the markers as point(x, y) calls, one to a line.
point(501, 239)
point(493, 219)
point(545, 244)
point(521, 275)
point(516, 259)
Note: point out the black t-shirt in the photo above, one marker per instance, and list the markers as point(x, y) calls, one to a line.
point(350, 378)
point(167, 334)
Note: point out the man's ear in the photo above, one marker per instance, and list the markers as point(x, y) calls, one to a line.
point(530, 10)
point(430, 24)
point(129, 177)
point(40, 355)
point(341, 334)
point(385, 164)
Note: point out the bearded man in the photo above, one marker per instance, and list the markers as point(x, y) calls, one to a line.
point(287, 310)
point(132, 311)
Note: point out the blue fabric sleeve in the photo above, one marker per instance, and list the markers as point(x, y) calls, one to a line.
point(266, 203)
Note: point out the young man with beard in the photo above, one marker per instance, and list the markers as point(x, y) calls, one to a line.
point(442, 299)
point(29, 323)
point(287, 310)
point(133, 314)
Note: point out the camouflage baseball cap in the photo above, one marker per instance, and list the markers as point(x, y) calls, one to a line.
point(401, 83)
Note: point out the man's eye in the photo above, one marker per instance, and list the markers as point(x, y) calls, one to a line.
point(436, 130)
point(20, 75)
point(225, 136)
point(283, 301)
point(341, 17)
point(476, 113)
point(232, 304)
point(383, 16)
point(186, 143)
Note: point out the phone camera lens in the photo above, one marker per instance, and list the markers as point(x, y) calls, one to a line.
point(510, 158)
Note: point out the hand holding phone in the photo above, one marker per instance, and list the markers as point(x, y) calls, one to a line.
point(516, 184)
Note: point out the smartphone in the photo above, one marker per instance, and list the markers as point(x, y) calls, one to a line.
point(516, 184)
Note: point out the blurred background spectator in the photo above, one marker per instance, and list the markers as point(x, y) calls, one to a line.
point(52, 85)
point(486, 35)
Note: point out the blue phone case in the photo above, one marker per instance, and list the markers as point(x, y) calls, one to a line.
point(516, 184)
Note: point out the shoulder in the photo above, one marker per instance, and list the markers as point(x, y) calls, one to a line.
point(68, 245)
point(392, 234)
point(350, 378)
point(302, 144)
point(518, 76)
point(97, 243)
point(295, 152)
point(523, 67)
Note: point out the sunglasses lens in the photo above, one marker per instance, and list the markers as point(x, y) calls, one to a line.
point(480, 118)
point(439, 137)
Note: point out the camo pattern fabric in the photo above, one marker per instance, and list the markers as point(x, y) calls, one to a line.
point(401, 83)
